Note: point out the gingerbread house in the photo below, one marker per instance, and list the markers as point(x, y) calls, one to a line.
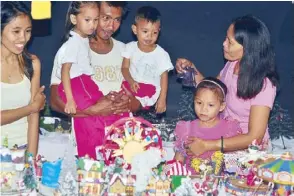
point(121, 185)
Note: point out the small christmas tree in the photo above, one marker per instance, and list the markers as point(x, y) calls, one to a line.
point(46, 111)
point(30, 178)
point(69, 185)
point(186, 105)
point(68, 175)
point(5, 141)
point(280, 124)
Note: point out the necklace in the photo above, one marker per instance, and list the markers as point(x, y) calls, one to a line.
point(9, 66)
point(9, 75)
point(10, 72)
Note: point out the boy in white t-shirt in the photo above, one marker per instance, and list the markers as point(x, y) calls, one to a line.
point(145, 65)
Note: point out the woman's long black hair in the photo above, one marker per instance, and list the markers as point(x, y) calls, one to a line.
point(258, 61)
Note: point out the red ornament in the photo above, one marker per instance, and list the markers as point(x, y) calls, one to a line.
point(250, 178)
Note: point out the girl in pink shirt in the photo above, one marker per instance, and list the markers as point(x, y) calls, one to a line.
point(251, 77)
point(209, 101)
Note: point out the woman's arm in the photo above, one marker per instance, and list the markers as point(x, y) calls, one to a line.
point(182, 63)
point(33, 119)
point(258, 120)
point(9, 116)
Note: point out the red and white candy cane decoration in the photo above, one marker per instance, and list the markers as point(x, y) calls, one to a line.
point(176, 168)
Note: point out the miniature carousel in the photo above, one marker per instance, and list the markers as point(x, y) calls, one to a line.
point(279, 174)
point(268, 176)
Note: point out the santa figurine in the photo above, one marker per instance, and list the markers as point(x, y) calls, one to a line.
point(38, 166)
point(250, 178)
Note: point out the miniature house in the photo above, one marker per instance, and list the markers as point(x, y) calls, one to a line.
point(121, 185)
point(158, 186)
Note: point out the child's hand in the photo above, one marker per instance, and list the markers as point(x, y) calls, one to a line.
point(160, 106)
point(70, 107)
point(135, 86)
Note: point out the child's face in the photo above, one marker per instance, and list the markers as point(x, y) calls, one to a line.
point(86, 21)
point(207, 105)
point(146, 32)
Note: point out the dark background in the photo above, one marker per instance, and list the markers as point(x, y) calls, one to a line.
point(194, 30)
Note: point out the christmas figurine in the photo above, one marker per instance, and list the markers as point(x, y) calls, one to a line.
point(5, 141)
point(38, 166)
point(30, 173)
point(250, 178)
point(15, 147)
point(280, 124)
point(68, 185)
point(254, 147)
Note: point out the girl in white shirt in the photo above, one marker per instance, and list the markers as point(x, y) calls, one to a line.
point(74, 55)
point(77, 89)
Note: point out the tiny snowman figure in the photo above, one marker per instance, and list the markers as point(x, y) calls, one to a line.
point(69, 186)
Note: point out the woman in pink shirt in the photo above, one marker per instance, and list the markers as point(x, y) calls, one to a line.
point(251, 78)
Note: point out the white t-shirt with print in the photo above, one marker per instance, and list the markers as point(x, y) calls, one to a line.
point(107, 68)
point(107, 72)
point(147, 68)
point(75, 50)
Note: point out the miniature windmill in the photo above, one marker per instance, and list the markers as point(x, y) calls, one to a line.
point(132, 143)
point(128, 137)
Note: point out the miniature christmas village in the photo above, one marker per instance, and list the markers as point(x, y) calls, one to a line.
point(131, 162)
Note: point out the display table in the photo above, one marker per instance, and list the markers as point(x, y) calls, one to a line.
point(53, 146)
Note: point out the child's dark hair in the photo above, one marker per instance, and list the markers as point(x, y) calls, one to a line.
point(9, 11)
point(74, 8)
point(214, 85)
point(151, 14)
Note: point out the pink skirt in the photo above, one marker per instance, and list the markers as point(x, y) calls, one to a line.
point(145, 90)
point(90, 130)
